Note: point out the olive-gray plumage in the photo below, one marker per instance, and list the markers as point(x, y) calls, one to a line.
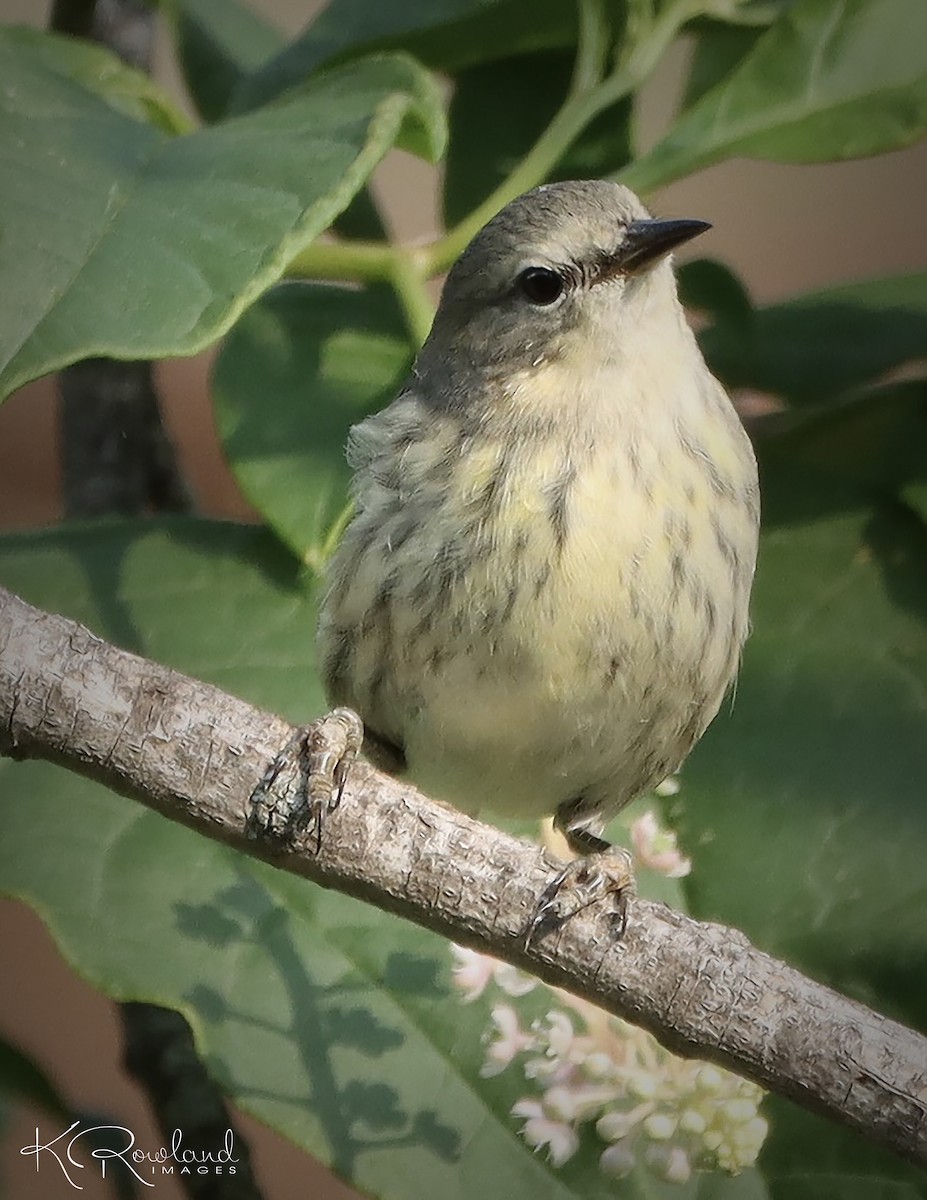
point(543, 594)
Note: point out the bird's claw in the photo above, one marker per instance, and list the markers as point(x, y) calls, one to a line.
point(305, 782)
point(605, 875)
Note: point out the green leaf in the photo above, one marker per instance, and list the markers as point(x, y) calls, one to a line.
point(302, 366)
point(483, 150)
point(165, 241)
point(219, 42)
point(752, 14)
point(174, 590)
point(444, 34)
point(801, 808)
point(823, 344)
point(831, 79)
point(328, 1019)
point(818, 1156)
point(842, 1187)
point(876, 439)
point(67, 65)
point(719, 48)
point(915, 494)
point(809, 1158)
point(712, 288)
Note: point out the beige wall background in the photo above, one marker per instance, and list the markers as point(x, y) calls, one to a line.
point(782, 229)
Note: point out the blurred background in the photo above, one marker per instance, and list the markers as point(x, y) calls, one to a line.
point(782, 229)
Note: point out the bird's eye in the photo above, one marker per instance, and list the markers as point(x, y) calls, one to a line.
point(540, 285)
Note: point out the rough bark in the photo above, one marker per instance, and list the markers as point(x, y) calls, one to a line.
point(115, 454)
point(196, 755)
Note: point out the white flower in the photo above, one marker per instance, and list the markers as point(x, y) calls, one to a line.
point(618, 1160)
point(660, 1126)
point(619, 1123)
point(678, 1168)
point(471, 972)
point(669, 1162)
point(511, 1041)
point(709, 1080)
point(560, 1034)
point(655, 847)
point(561, 1139)
point(599, 1065)
point(585, 1070)
point(692, 1121)
point(579, 1102)
point(512, 981)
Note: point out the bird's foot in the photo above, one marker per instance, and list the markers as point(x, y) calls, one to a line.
point(602, 876)
point(306, 780)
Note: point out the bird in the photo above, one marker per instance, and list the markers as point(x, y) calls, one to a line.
point(542, 596)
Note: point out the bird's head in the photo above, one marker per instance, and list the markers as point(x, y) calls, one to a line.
point(562, 265)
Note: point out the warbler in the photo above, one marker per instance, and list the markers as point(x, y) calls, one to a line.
point(542, 596)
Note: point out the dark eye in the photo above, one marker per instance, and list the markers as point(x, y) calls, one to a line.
point(540, 285)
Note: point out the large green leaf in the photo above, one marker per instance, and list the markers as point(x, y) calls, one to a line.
point(818, 346)
point(803, 810)
point(326, 1018)
point(808, 1158)
point(447, 34)
point(528, 89)
point(831, 79)
point(165, 240)
point(875, 438)
point(51, 63)
point(717, 51)
point(219, 42)
point(714, 290)
point(842, 1187)
point(306, 363)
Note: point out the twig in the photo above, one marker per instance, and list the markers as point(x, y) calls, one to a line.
point(196, 754)
point(160, 1054)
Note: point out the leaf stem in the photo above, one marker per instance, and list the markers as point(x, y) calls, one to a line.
point(409, 277)
point(647, 38)
point(743, 13)
point(585, 101)
point(592, 46)
point(357, 261)
point(569, 121)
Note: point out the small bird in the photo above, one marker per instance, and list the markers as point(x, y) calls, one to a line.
point(543, 594)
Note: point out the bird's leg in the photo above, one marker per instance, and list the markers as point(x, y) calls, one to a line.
point(601, 872)
point(305, 781)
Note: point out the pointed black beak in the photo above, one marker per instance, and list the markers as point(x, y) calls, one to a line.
point(647, 241)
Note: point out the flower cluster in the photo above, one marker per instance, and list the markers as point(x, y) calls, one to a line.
point(583, 1067)
point(655, 847)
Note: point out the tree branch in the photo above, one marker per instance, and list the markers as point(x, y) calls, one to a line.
point(196, 754)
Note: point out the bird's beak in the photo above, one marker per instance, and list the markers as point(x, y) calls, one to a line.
point(647, 241)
